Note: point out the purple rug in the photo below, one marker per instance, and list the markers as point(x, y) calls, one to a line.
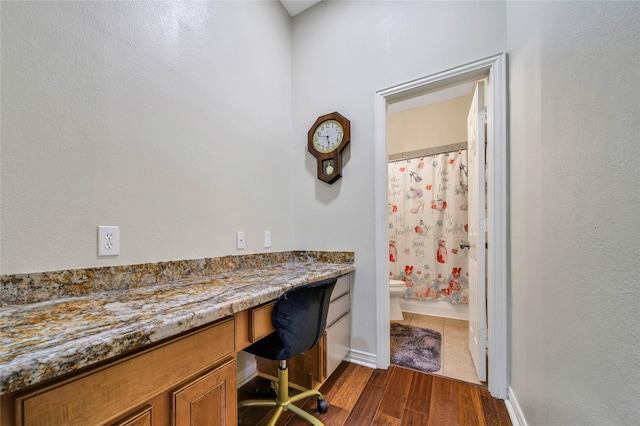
point(415, 347)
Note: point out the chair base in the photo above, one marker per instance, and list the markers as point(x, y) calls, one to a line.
point(285, 403)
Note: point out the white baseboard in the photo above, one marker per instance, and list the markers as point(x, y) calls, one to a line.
point(366, 359)
point(515, 412)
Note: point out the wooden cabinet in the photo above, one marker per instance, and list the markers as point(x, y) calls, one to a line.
point(193, 374)
point(311, 368)
point(253, 324)
point(140, 418)
point(206, 400)
point(337, 336)
point(338, 343)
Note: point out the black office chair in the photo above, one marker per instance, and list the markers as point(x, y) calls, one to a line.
point(299, 318)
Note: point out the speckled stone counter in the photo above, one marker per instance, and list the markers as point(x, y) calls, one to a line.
point(75, 322)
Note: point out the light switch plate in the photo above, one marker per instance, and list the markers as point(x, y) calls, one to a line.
point(240, 240)
point(267, 239)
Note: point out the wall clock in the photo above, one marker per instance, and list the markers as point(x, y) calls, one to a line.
point(327, 138)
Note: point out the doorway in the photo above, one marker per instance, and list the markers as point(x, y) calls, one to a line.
point(429, 248)
point(494, 69)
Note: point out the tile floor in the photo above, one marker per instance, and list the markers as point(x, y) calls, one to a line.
point(455, 359)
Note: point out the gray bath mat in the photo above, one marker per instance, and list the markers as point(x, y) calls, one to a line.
point(415, 347)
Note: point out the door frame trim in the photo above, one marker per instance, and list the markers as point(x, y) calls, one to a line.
point(497, 204)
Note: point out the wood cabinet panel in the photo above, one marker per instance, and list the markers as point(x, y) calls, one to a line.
point(109, 392)
point(305, 370)
point(253, 324)
point(141, 418)
point(261, 321)
point(243, 338)
point(205, 401)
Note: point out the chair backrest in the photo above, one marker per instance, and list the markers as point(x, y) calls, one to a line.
point(300, 316)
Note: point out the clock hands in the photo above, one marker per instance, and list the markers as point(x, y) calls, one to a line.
point(325, 136)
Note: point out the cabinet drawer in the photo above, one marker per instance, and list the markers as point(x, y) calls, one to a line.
point(107, 393)
point(338, 343)
point(261, 321)
point(338, 308)
point(253, 324)
point(343, 285)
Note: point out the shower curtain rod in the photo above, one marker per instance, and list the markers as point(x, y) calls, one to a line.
point(427, 151)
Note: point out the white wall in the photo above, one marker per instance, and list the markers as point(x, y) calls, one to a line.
point(343, 52)
point(171, 120)
point(575, 108)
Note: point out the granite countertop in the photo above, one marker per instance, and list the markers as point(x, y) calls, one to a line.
point(47, 339)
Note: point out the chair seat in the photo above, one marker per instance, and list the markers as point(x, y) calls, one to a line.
point(269, 347)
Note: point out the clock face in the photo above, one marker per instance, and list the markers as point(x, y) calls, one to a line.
point(328, 136)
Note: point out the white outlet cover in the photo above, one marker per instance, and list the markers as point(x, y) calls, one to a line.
point(108, 240)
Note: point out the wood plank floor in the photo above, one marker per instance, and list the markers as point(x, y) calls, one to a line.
point(362, 396)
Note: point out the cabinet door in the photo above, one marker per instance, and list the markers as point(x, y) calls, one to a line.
point(338, 343)
point(307, 369)
point(209, 400)
point(141, 418)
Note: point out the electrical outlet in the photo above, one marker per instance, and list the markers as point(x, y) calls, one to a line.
point(240, 240)
point(108, 240)
point(267, 238)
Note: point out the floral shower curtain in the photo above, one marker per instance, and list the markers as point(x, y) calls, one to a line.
point(427, 222)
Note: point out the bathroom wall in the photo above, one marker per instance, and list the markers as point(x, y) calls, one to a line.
point(169, 119)
point(428, 126)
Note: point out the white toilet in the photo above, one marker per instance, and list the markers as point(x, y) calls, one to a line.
point(396, 290)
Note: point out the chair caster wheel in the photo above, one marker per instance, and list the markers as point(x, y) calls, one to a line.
point(323, 406)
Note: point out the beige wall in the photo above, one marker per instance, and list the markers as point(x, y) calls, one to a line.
point(432, 125)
